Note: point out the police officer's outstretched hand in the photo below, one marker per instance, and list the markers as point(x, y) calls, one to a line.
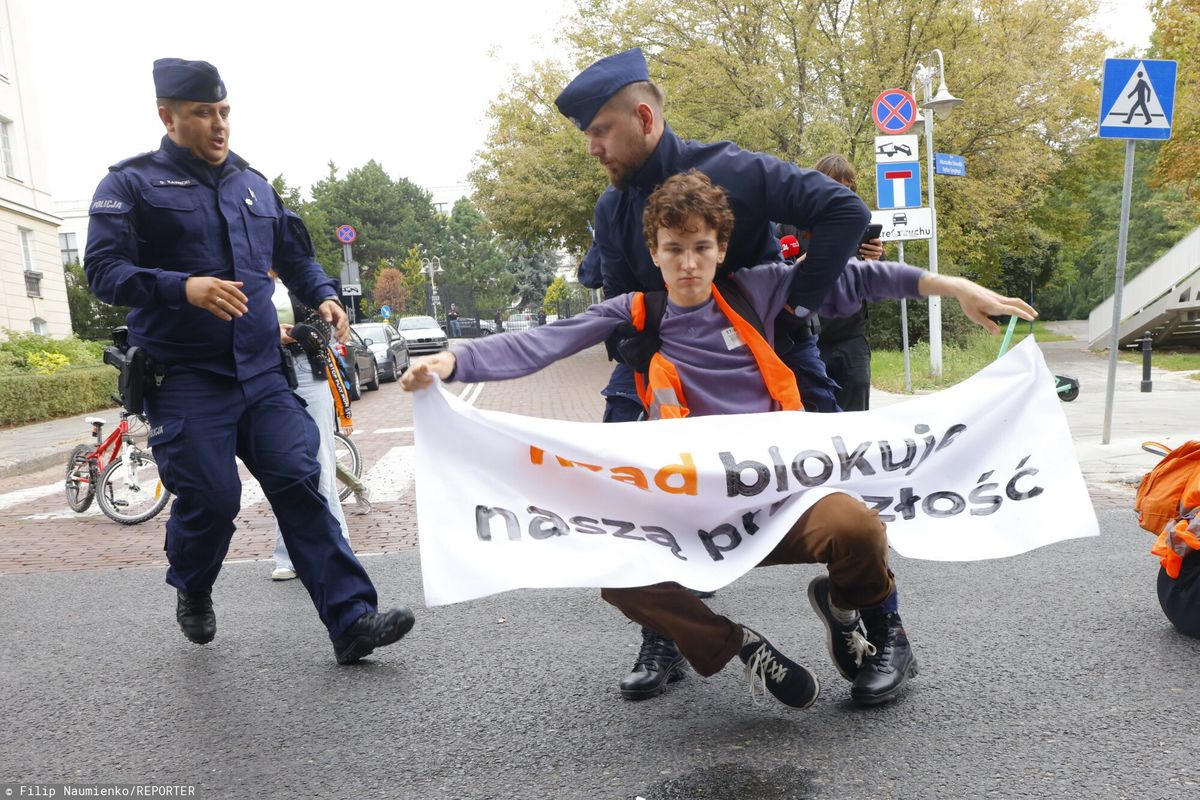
point(220, 297)
point(332, 312)
point(421, 371)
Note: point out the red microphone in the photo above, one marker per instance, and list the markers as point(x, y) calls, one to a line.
point(790, 246)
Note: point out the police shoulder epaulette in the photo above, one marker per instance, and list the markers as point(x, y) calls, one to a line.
point(132, 160)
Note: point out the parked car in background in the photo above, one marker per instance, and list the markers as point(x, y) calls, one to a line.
point(473, 328)
point(519, 321)
point(388, 347)
point(422, 334)
point(360, 365)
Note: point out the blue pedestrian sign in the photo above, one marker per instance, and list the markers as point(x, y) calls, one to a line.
point(898, 185)
point(1137, 98)
point(385, 311)
point(946, 164)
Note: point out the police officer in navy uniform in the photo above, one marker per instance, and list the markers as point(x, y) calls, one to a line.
point(185, 235)
point(614, 103)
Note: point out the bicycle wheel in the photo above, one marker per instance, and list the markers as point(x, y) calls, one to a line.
point(348, 459)
point(132, 501)
point(81, 479)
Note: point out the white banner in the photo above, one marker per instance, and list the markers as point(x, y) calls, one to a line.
point(984, 469)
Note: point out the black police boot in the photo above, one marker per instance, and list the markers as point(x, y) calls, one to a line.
point(370, 631)
point(658, 663)
point(884, 673)
point(197, 620)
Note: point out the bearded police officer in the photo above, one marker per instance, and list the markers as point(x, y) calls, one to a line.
point(185, 235)
point(621, 112)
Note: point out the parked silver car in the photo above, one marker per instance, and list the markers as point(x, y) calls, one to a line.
point(388, 347)
point(422, 334)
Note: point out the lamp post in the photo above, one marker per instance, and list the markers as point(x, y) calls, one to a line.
point(432, 266)
point(943, 102)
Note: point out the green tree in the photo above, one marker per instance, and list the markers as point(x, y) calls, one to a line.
point(796, 80)
point(533, 271)
point(1177, 36)
point(413, 280)
point(91, 318)
point(556, 295)
point(473, 262)
point(390, 216)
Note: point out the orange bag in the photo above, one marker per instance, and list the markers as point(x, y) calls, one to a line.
point(1167, 502)
point(1161, 492)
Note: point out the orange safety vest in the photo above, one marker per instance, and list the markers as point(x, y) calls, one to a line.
point(661, 390)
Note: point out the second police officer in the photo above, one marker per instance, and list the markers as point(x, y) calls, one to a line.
point(185, 235)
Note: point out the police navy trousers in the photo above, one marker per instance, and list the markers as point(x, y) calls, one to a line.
point(198, 423)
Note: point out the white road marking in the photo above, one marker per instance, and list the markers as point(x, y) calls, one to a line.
point(392, 476)
point(393, 430)
point(25, 495)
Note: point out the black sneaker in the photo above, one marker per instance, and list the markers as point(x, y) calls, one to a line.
point(848, 644)
point(194, 612)
point(371, 631)
point(768, 670)
point(658, 663)
point(884, 674)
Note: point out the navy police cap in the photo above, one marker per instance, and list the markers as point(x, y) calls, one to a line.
point(180, 79)
point(593, 87)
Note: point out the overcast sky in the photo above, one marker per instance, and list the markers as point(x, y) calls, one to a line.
point(406, 83)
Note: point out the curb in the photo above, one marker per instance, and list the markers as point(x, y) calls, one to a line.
point(34, 462)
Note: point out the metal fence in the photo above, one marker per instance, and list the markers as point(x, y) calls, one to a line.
point(476, 320)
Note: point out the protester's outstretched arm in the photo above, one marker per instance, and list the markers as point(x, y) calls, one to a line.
point(421, 371)
point(977, 302)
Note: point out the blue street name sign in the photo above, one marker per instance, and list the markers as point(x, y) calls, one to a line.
point(1137, 98)
point(898, 185)
point(946, 164)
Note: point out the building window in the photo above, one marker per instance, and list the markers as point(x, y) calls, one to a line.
point(27, 250)
point(7, 154)
point(69, 247)
point(39, 326)
point(33, 278)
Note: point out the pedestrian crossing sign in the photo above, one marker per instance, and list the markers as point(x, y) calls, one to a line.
point(1137, 98)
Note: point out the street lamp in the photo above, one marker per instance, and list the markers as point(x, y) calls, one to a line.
point(432, 266)
point(940, 103)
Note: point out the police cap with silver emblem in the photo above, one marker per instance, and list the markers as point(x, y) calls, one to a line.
point(180, 79)
point(593, 87)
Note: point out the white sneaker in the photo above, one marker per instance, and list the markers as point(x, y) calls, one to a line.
point(283, 574)
point(362, 501)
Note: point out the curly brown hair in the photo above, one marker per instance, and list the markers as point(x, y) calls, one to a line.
point(680, 199)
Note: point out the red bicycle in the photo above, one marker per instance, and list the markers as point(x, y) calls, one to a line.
point(127, 486)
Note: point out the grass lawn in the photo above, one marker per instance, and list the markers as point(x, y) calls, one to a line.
point(958, 363)
point(1181, 360)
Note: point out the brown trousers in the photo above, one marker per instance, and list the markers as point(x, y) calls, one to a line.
point(838, 531)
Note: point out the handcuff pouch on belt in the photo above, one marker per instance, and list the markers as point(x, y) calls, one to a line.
point(138, 371)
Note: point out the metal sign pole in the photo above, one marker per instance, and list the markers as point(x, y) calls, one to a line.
point(1122, 241)
point(935, 302)
point(904, 331)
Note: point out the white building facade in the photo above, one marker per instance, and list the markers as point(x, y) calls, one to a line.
point(33, 291)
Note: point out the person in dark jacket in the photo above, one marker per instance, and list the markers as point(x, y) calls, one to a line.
point(185, 234)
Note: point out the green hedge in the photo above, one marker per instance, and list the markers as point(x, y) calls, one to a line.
point(26, 398)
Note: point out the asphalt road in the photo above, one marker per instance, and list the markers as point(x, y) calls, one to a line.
point(1048, 675)
point(1052, 674)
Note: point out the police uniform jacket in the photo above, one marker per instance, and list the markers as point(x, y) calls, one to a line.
point(161, 217)
point(760, 188)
